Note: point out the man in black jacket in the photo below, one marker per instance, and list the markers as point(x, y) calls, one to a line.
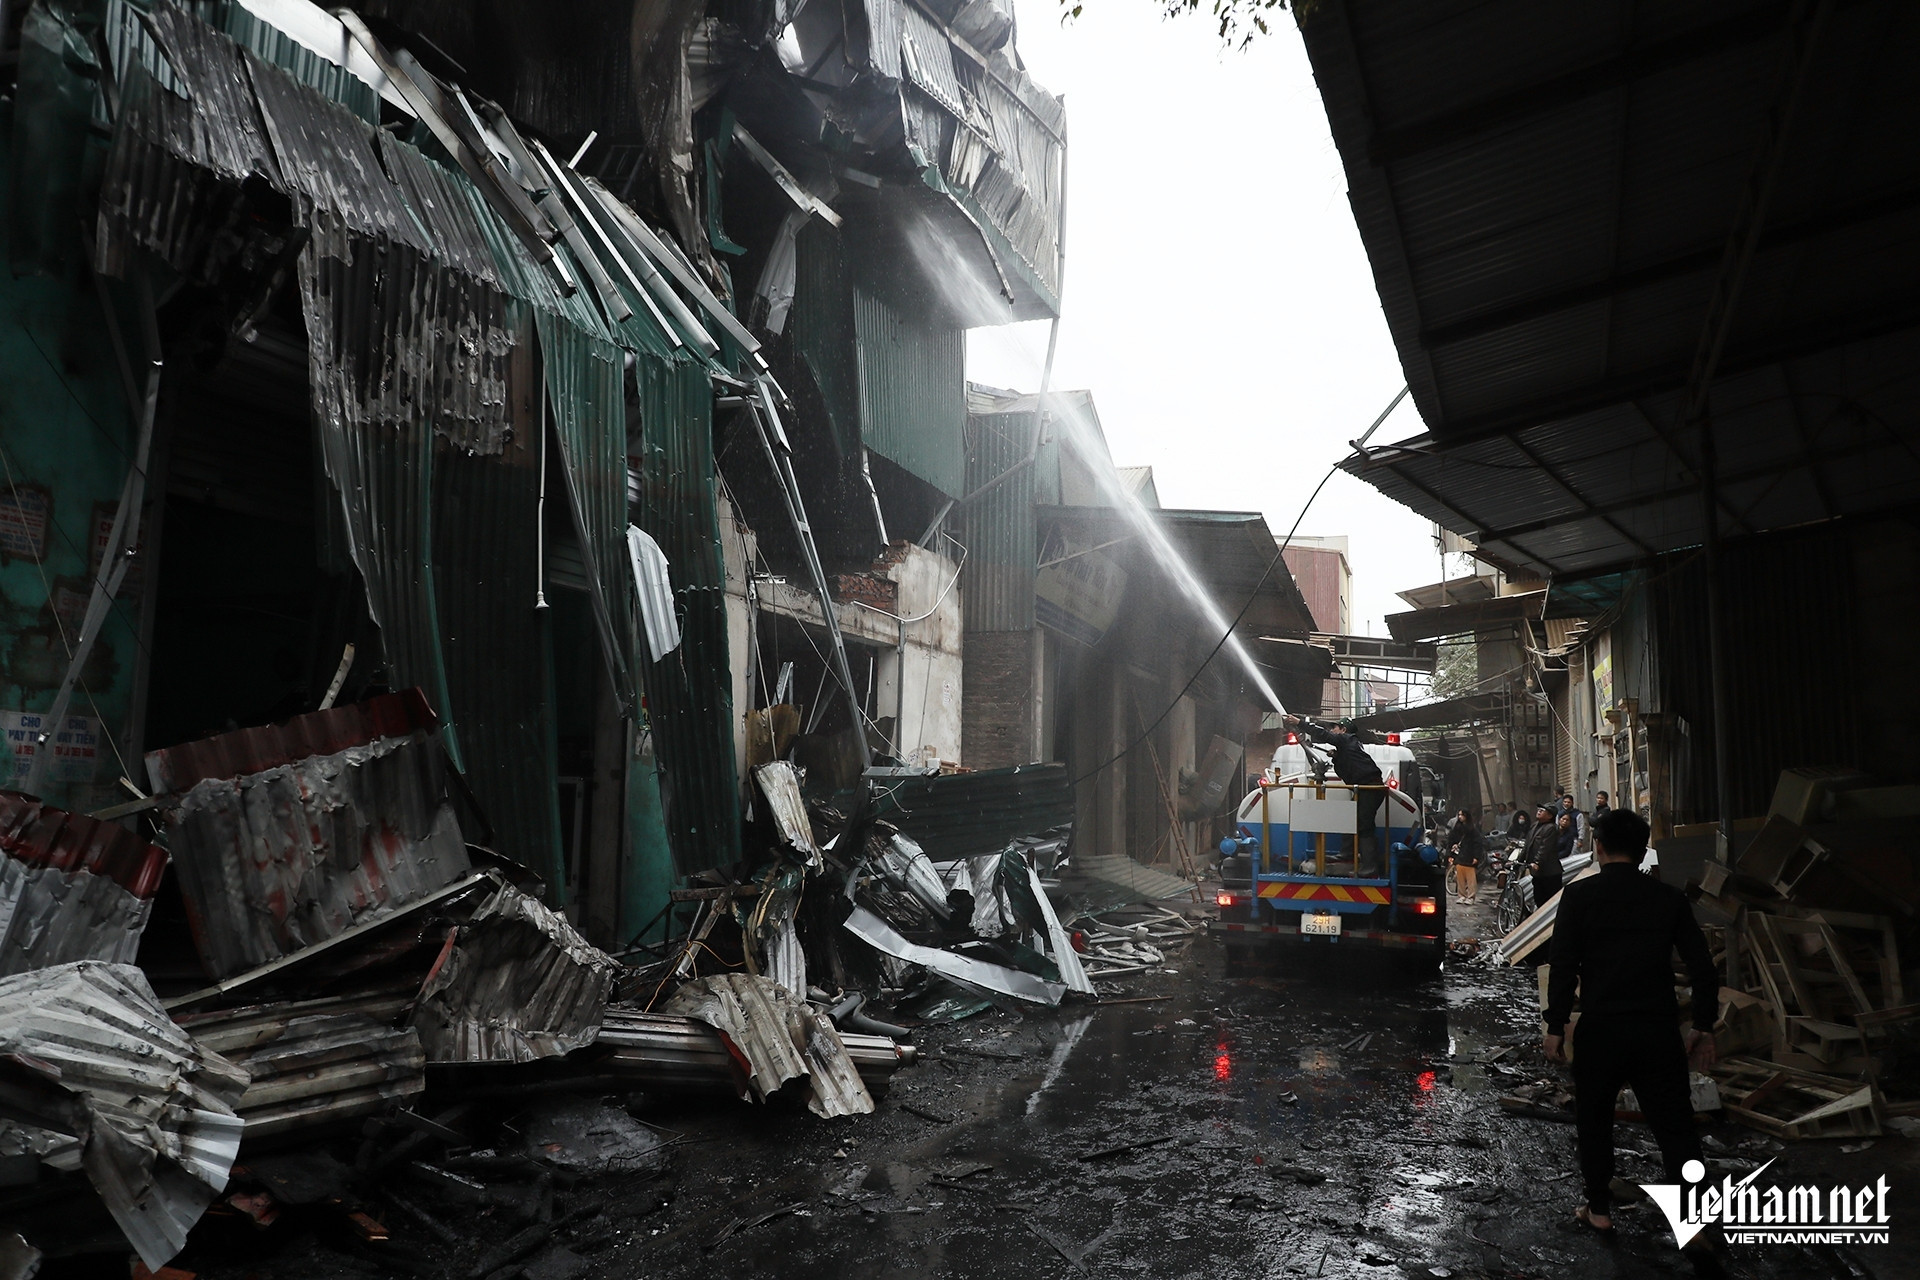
point(1614, 939)
point(1353, 766)
point(1542, 857)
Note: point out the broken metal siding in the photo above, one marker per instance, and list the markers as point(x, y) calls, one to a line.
point(913, 395)
point(690, 691)
point(315, 1062)
point(487, 577)
point(779, 1038)
point(175, 161)
point(275, 861)
point(274, 46)
point(519, 984)
point(153, 1110)
point(822, 328)
point(71, 888)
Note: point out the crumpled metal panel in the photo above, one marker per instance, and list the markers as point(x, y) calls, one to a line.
point(71, 888)
point(779, 1037)
point(519, 984)
point(965, 970)
point(148, 1112)
point(780, 784)
point(315, 1062)
point(275, 861)
point(317, 733)
point(257, 33)
point(905, 866)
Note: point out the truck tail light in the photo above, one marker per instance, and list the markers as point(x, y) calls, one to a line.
point(1425, 907)
point(1224, 899)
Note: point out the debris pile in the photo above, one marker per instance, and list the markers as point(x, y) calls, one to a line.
point(1808, 922)
point(1816, 1035)
point(396, 1025)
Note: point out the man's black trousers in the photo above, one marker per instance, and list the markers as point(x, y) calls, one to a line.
point(1367, 811)
point(1644, 1053)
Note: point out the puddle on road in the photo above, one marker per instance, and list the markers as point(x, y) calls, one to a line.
point(1228, 1092)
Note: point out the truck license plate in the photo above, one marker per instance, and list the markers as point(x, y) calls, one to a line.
point(1325, 924)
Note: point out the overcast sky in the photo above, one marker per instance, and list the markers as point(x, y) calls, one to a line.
point(1218, 302)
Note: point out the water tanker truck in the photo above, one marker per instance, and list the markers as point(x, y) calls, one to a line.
point(1295, 874)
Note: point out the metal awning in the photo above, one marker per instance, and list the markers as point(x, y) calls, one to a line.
point(1437, 715)
point(1552, 239)
point(1455, 619)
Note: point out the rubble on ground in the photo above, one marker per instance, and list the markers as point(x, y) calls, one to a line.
point(1815, 1036)
point(398, 1033)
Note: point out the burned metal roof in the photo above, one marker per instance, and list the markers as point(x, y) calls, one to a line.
point(274, 861)
point(71, 887)
point(1551, 238)
point(317, 733)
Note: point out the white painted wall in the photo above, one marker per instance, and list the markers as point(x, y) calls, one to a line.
point(930, 707)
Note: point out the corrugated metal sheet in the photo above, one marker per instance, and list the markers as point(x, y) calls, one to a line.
point(913, 389)
point(927, 59)
point(584, 377)
point(175, 161)
point(274, 861)
point(1787, 639)
point(690, 692)
point(1546, 236)
point(71, 888)
point(315, 1063)
point(149, 1111)
point(779, 1037)
point(227, 755)
point(999, 529)
point(886, 22)
point(671, 1051)
point(277, 48)
point(486, 575)
point(822, 328)
point(957, 815)
point(519, 984)
point(1018, 179)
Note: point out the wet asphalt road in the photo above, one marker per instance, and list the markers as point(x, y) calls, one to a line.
point(1236, 1093)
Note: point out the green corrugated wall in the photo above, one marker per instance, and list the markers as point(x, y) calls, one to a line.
point(913, 390)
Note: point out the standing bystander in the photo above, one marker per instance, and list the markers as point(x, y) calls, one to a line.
point(1466, 846)
point(1614, 940)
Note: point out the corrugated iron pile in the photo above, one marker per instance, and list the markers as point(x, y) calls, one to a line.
point(348, 1008)
point(1818, 1035)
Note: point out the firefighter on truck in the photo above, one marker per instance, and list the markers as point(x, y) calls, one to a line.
point(1353, 766)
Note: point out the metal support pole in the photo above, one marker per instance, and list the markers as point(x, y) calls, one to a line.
point(1716, 645)
point(774, 441)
